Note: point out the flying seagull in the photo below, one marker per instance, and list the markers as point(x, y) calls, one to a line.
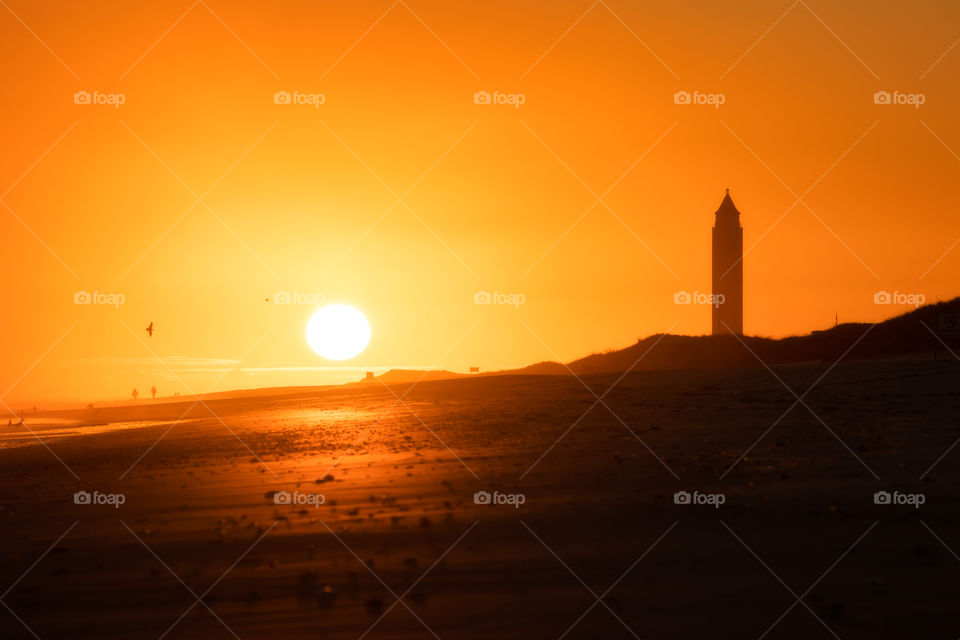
point(150, 330)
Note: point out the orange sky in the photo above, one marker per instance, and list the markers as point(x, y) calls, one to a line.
point(298, 198)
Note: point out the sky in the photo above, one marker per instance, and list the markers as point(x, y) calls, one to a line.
point(542, 152)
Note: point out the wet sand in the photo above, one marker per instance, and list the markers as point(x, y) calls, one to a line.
point(598, 548)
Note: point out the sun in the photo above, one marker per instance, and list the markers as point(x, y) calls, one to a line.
point(338, 332)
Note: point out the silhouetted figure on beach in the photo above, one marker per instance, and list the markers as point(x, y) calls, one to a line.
point(153, 392)
point(150, 329)
point(135, 394)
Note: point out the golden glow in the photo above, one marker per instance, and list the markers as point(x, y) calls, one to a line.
point(303, 197)
point(338, 332)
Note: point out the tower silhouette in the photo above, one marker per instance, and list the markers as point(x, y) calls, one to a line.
point(728, 269)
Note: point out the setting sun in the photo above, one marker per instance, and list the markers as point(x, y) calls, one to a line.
point(338, 332)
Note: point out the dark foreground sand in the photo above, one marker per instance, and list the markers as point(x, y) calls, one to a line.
point(599, 549)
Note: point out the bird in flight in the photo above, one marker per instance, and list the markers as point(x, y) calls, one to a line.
point(150, 330)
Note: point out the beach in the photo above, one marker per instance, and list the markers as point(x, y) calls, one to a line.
point(501, 506)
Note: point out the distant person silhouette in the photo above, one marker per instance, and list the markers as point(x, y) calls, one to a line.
point(153, 392)
point(135, 394)
point(150, 329)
